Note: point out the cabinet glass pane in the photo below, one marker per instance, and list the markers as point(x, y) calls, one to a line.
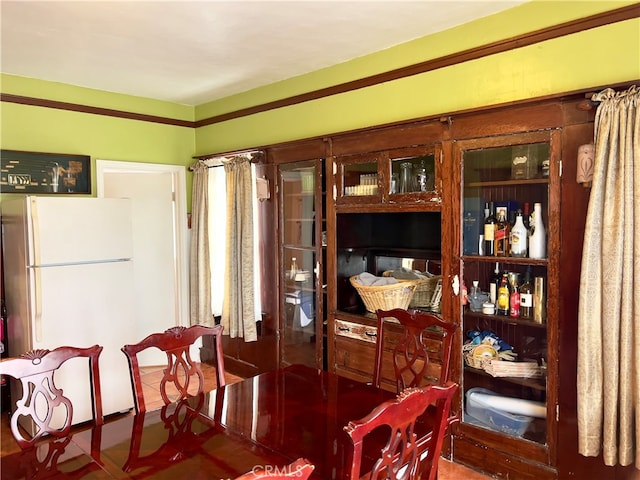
point(412, 174)
point(299, 206)
point(360, 178)
point(505, 349)
point(299, 307)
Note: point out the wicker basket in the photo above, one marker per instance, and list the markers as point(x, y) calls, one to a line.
point(385, 297)
point(476, 361)
point(424, 290)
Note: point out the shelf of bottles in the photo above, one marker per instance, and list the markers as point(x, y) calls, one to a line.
point(504, 258)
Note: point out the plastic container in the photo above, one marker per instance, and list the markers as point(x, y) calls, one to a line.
point(491, 417)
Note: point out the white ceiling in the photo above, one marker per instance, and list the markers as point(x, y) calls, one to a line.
point(192, 52)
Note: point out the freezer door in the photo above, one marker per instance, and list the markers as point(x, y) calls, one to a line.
point(83, 305)
point(74, 230)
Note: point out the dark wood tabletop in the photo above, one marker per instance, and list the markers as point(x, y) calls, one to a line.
point(268, 420)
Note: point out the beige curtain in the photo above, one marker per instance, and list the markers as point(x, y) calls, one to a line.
point(238, 310)
point(609, 311)
point(200, 266)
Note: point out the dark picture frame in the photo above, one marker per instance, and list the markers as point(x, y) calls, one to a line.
point(34, 172)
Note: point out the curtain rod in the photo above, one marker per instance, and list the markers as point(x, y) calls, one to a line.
point(255, 156)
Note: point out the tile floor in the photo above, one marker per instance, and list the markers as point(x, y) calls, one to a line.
point(447, 470)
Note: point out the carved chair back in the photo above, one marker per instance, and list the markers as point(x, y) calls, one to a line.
point(406, 453)
point(422, 354)
point(182, 376)
point(42, 402)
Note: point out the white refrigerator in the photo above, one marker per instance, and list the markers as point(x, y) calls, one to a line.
point(69, 281)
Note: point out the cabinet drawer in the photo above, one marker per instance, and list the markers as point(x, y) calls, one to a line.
point(357, 331)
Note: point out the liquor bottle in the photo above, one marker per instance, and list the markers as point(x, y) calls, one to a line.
point(490, 225)
point(526, 296)
point(519, 237)
point(514, 299)
point(493, 285)
point(537, 238)
point(502, 302)
point(526, 214)
point(501, 236)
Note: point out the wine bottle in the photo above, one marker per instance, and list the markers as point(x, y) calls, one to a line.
point(493, 285)
point(519, 237)
point(490, 224)
point(526, 214)
point(502, 302)
point(501, 236)
point(526, 296)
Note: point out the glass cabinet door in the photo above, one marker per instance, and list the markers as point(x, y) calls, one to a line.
point(301, 281)
point(505, 320)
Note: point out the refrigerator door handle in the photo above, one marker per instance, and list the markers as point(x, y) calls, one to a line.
point(38, 304)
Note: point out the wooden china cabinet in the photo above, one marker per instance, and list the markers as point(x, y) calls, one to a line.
point(381, 221)
point(374, 225)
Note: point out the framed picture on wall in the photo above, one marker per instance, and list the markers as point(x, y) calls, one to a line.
point(33, 172)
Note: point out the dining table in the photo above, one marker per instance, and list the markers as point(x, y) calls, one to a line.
point(268, 420)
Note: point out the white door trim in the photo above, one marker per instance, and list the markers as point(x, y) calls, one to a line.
point(178, 174)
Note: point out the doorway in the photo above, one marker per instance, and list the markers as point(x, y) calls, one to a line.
point(158, 194)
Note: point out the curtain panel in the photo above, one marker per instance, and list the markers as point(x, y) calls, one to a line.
point(238, 311)
point(608, 384)
point(200, 263)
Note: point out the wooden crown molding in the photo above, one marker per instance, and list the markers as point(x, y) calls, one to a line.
point(549, 33)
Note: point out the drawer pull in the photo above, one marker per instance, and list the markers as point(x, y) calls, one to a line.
point(343, 329)
point(370, 334)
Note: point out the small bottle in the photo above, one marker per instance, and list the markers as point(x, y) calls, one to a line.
point(294, 268)
point(519, 237)
point(493, 285)
point(474, 303)
point(537, 238)
point(526, 296)
point(501, 236)
point(514, 300)
point(502, 302)
point(490, 224)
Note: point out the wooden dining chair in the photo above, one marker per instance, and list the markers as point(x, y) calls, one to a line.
point(421, 354)
point(42, 401)
point(182, 376)
point(405, 453)
point(301, 469)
